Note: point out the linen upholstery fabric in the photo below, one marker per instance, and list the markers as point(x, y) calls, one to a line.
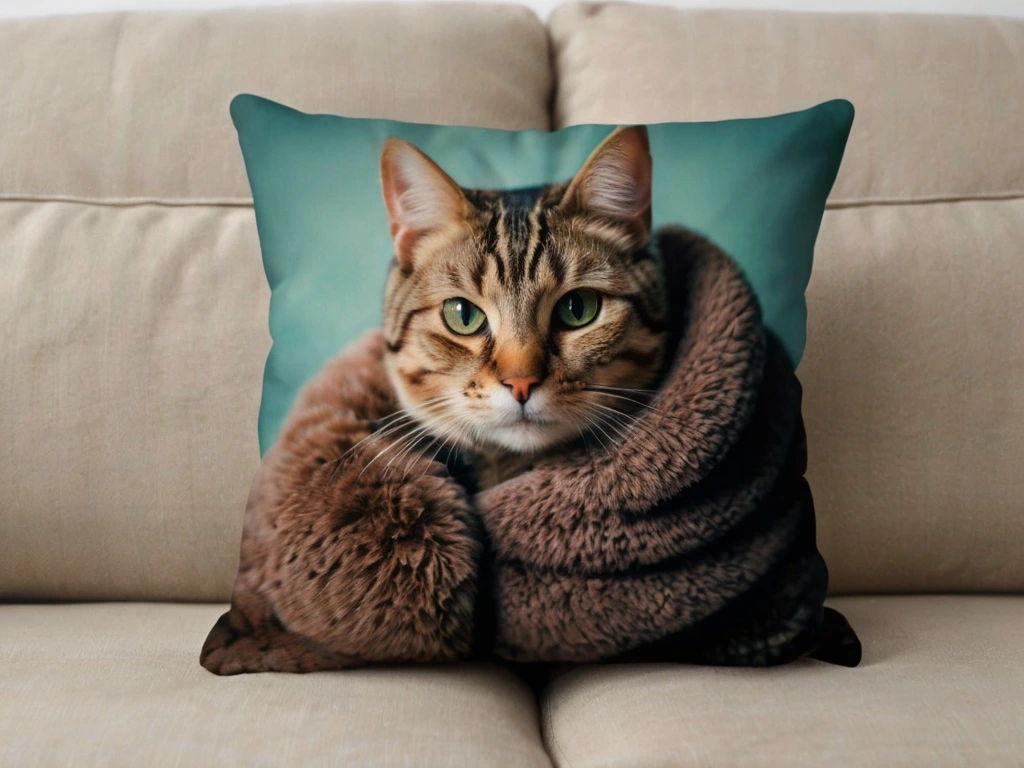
point(133, 346)
point(939, 686)
point(108, 684)
point(145, 112)
point(913, 396)
point(913, 403)
point(133, 307)
point(938, 97)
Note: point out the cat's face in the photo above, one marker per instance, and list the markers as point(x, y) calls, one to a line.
point(516, 322)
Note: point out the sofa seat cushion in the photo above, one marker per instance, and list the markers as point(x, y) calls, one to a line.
point(120, 684)
point(941, 685)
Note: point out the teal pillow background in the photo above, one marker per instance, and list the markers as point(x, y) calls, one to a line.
point(756, 187)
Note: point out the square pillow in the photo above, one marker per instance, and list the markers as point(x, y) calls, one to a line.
point(683, 530)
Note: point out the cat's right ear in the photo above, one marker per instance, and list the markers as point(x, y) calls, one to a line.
point(614, 184)
point(420, 198)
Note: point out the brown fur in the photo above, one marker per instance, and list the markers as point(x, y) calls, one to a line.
point(692, 538)
point(341, 567)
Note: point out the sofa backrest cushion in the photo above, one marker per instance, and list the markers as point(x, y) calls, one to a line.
point(133, 306)
point(913, 372)
point(133, 325)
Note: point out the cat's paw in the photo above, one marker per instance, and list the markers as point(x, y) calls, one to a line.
point(381, 564)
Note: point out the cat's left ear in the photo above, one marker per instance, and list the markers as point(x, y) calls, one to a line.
point(419, 196)
point(615, 182)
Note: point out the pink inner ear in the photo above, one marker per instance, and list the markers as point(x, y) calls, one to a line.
point(404, 239)
point(616, 179)
point(632, 164)
point(642, 175)
point(395, 186)
point(419, 196)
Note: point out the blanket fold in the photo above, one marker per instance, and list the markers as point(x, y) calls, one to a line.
point(691, 538)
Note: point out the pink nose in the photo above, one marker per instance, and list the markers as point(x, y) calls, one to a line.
point(520, 386)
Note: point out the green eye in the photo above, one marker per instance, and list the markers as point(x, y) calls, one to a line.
point(463, 317)
point(578, 308)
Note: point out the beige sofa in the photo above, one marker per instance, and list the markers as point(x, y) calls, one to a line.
point(133, 331)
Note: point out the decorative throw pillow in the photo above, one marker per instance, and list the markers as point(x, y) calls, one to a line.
point(576, 437)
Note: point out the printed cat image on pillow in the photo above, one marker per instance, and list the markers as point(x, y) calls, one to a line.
point(572, 439)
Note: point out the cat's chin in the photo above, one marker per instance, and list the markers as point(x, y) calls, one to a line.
point(530, 437)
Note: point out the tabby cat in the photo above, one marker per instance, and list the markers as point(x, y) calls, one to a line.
point(517, 322)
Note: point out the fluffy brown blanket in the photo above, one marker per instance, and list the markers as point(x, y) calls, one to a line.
point(691, 539)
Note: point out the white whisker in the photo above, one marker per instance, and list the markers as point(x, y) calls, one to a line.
point(629, 399)
point(586, 446)
point(403, 423)
point(400, 442)
point(410, 442)
point(617, 427)
point(456, 430)
point(610, 388)
point(630, 421)
point(599, 426)
point(589, 427)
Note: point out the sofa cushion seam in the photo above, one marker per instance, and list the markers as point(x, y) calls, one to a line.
point(247, 202)
point(896, 202)
point(130, 202)
point(547, 733)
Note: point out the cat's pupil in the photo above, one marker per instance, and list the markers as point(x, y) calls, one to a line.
point(465, 312)
point(575, 304)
